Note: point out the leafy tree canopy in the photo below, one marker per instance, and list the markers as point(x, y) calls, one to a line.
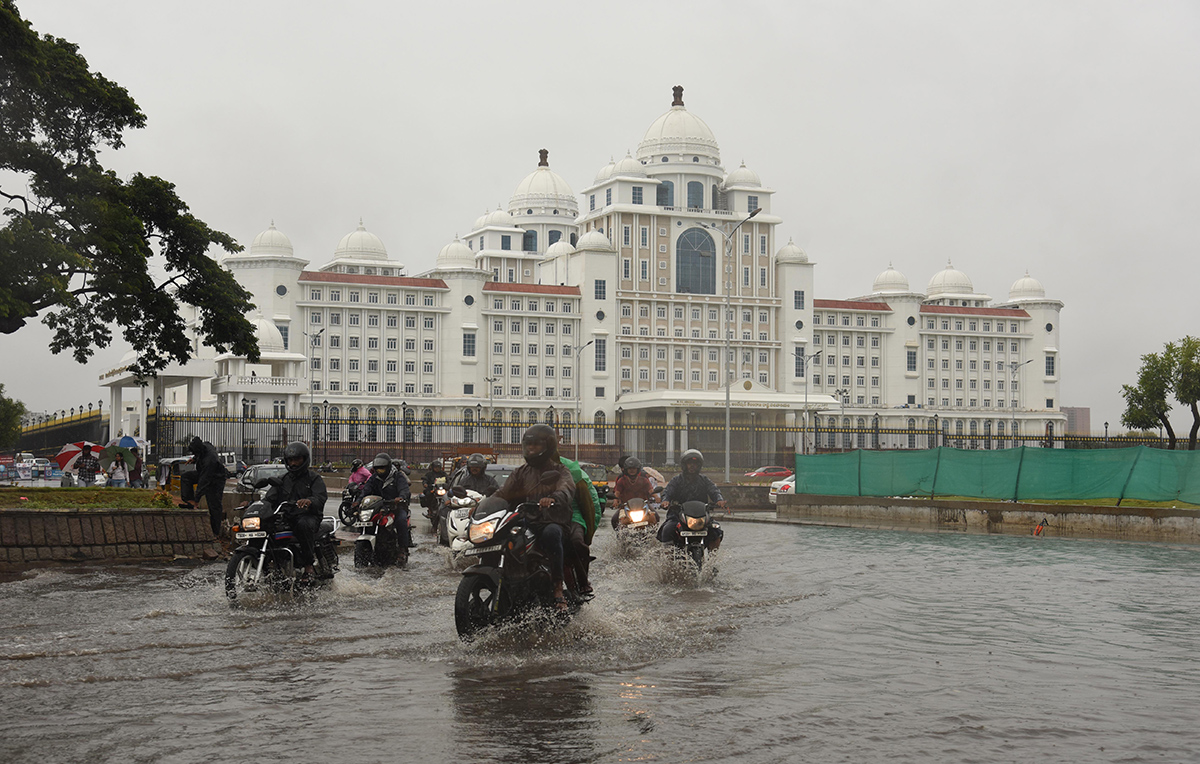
point(1166, 378)
point(78, 242)
point(11, 412)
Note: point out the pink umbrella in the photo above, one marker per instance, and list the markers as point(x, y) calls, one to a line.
point(66, 457)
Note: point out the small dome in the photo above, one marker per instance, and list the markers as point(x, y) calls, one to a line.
point(558, 249)
point(743, 176)
point(271, 242)
point(629, 168)
point(678, 131)
point(1027, 288)
point(544, 189)
point(950, 281)
point(480, 221)
point(605, 172)
point(456, 255)
point(360, 244)
point(890, 280)
point(790, 253)
point(269, 338)
point(594, 240)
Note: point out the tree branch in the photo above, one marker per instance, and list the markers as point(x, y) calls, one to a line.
point(11, 197)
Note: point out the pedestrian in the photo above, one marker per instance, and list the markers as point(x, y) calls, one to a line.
point(118, 473)
point(206, 481)
point(87, 466)
point(136, 479)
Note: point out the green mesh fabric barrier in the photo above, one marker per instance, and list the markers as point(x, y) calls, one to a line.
point(1021, 473)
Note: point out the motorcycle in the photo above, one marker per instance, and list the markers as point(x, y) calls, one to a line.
point(694, 520)
point(349, 496)
point(432, 498)
point(454, 517)
point(511, 576)
point(378, 541)
point(266, 560)
point(637, 522)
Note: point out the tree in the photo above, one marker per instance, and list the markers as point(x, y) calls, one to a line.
point(11, 412)
point(1146, 404)
point(81, 245)
point(1185, 381)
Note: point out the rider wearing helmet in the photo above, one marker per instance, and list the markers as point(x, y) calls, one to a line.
point(475, 477)
point(358, 472)
point(690, 485)
point(306, 488)
point(435, 473)
point(389, 482)
point(545, 480)
point(633, 483)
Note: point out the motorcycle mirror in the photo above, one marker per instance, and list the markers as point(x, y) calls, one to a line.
point(459, 492)
point(267, 481)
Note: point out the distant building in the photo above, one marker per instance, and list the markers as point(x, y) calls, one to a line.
point(1079, 420)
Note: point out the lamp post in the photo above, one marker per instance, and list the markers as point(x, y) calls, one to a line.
point(491, 407)
point(325, 417)
point(1015, 369)
point(804, 359)
point(1106, 434)
point(620, 429)
point(245, 410)
point(935, 430)
point(479, 416)
point(728, 332)
point(404, 431)
point(842, 393)
point(578, 395)
point(550, 412)
point(314, 340)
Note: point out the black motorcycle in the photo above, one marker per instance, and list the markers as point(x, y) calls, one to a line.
point(377, 523)
point(693, 521)
point(511, 576)
point(432, 499)
point(266, 560)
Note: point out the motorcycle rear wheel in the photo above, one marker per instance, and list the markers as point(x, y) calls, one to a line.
point(477, 605)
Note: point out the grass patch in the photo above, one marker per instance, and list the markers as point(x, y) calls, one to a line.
point(83, 498)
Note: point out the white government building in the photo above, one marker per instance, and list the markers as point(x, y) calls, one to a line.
point(614, 314)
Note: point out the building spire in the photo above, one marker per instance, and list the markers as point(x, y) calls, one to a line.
point(678, 91)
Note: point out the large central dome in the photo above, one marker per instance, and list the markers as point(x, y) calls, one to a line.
point(543, 190)
point(678, 132)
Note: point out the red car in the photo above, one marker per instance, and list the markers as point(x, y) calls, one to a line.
point(778, 473)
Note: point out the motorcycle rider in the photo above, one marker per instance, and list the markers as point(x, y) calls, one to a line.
point(306, 488)
point(690, 485)
point(390, 483)
point(432, 475)
point(585, 516)
point(633, 483)
point(359, 473)
point(475, 477)
point(544, 479)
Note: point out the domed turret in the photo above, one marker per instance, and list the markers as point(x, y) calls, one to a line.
point(558, 249)
point(593, 240)
point(678, 132)
point(790, 253)
point(269, 338)
point(743, 176)
point(498, 217)
point(890, 280)
point(1027, 288)
point(629, 168)
point(271, 242)
point(543, 189)
point(949, 281)
point(360, 244)
point(605, 172)
point(455, 255)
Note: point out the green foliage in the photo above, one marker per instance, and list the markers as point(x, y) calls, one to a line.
point(1166, 378)
point(78, 242)
point(10, 421)
point(1185, 381)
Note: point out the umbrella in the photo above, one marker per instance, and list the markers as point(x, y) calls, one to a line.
point(128, 441)
point(69, 453)
point(111, 454)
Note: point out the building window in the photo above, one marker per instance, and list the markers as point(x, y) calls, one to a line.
point(695, 195)
point(1049, 367)
point(529, 242)
point(637, 195)
point(469, 345)
point(695, 263)
point(591, 201)
point(751, 203)
point(601, 288)
point(665, 194)
point(505, 241)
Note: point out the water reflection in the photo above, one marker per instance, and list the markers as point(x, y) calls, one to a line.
point(522, 716)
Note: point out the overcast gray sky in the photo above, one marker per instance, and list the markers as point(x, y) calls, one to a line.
point(1058, 137)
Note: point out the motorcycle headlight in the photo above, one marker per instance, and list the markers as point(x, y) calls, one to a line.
point(251, 523)
point(481, 533)
point(637, 515)
point(441, 492)
point(695, 523)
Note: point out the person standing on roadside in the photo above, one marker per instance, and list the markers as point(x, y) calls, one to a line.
point(136, 478)
point(86, 466)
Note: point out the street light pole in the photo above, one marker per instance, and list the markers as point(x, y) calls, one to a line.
point(804, 359)
point(578, 395)
point(311, 392)
point(1015, 369)
point(325, 418)
point(490, 381)
point(728, 333)
point(841, 393)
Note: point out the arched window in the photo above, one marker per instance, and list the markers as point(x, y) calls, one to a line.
point(1000, 434)
point(1049, 434)
point(427, 417)
point(862, 432)
point(695, 263)
point(514, 435)
point(550, 419)
point(573, 239)
point(553, 237)
point(532, 417)
point(695, 197)
point(390, 430)
point(409, 416)
point(372, 427)
point(716, 198)
point(353, 416)
point(600, 436)
point(497, 432)
point(912, 434)
point(958, 433)
point(987, 434)
point(333, 430)
point(665, 196)
point(468, 425)
point(566, 428)
point(974, 427)
point(846, 432)
point(529, 243)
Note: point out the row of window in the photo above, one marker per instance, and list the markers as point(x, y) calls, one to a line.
point(971, 325)
point(533, 306)
point(316, 318)
point(665, 196)
point(660, 311)
point(530, 328)
point(644, 331)
point(354, 295)
point(931, 343)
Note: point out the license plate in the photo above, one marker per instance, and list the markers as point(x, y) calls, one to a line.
point(252, 535)
point(363, 525)
point(483, 549)
point(693, 533)
point(461, 514)
point(638, 525)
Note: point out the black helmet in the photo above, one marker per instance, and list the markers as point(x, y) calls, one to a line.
point(540, 444)
point(632, 463)
point(436, 465)
point(382, 464)
point(354, 465)
point(692, 456)
point(476, 460)
point(297, 450)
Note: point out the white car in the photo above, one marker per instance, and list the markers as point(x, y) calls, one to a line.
point(787, 485)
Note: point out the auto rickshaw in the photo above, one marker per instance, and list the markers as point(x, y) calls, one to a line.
point(169, 471)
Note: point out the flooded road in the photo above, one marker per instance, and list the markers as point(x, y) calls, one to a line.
point(808, 644)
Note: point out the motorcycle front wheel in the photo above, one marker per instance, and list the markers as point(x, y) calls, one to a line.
point(477, 605)
point(364, 555)
point(697, 553)
point(240, 566)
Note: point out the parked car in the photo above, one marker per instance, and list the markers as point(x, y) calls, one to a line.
point(771, 472)
point(787, 485)
point(257, 472)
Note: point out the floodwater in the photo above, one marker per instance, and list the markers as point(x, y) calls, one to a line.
point(808, 644)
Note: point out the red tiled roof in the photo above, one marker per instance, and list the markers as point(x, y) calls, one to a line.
point(955, 310)
point(499, 286)
point(355, 278)
point(851, 305)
